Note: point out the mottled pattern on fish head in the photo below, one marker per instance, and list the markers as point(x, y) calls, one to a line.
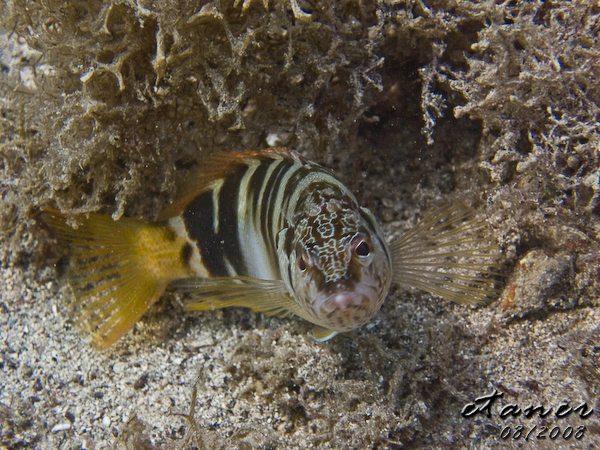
point(339, 263)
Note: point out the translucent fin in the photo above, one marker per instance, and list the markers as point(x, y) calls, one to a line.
point(448, 255)
point(267, 296)
point(323, 334)
point(112, 288)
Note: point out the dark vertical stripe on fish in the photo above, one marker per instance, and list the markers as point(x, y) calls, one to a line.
point(292, 183)
point(198, 219)
point(257, 180)
point(268, 200)
point(228, 234)
point(287, 248)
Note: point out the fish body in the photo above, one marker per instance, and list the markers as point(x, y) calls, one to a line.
point(267, 230)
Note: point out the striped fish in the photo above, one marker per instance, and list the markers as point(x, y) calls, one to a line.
point(271, 231)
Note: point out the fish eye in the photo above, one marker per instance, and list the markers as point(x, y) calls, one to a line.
point(363, 249)
point(302, 264)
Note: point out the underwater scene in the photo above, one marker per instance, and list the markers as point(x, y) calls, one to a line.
point(292, 224)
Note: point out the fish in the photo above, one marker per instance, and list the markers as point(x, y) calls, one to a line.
point(271, 231)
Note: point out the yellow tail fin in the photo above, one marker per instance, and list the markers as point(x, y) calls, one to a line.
point(112, 280)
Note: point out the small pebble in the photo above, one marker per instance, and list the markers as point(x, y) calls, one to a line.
point(118, 367)
point(61, 427)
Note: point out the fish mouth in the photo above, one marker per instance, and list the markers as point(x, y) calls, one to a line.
point(346, 310)
point(343, 301)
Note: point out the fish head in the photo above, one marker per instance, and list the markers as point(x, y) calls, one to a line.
point(339, 266)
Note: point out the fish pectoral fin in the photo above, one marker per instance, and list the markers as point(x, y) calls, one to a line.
point(322, 334)
point(450, 254)
point(267, 296)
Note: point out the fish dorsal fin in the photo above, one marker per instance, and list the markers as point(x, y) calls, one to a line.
point(215, 167)
point(267, 296)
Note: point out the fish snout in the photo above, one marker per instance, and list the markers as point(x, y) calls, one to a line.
point(345, 310)
point(344, 301)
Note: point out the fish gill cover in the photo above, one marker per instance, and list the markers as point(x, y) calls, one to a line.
point(104, 105)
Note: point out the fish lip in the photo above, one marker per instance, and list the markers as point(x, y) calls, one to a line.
point(343, 300)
